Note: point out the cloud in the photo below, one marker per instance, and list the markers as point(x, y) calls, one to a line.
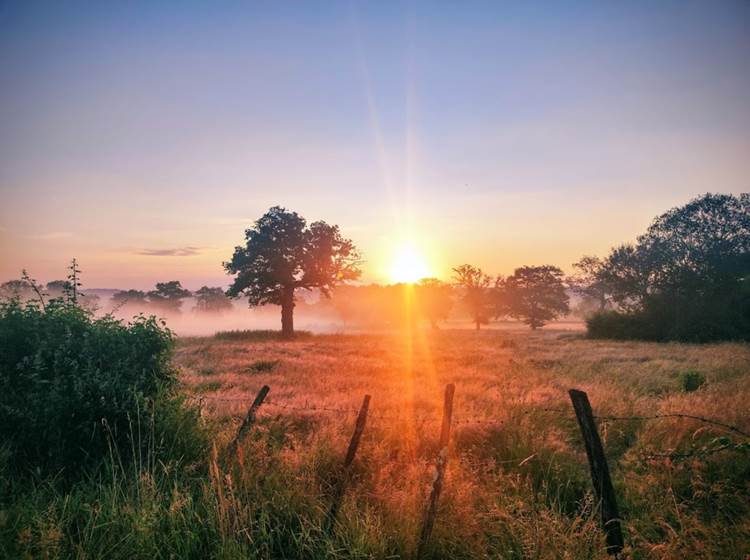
point(176, 252)
point(51, 235)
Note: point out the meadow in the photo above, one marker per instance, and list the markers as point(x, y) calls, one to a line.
point(517, 481)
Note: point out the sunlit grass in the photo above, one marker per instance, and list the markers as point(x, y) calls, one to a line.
point(517, 487)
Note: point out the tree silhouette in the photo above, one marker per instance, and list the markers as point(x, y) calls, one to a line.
point(129, 297)
point(168, 295)
point(536, 294)
point(20, 289)
point(589, 283)
point(57, 288)
point(475, 287)
point(434, 300)
point(211, 300)
point(686, 278)
point(282, 254)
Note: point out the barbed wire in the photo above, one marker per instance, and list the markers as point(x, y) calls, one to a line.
point(717, 445)
point(372, 415)
point(484, 421)
point(475, 420)
point(678, 415)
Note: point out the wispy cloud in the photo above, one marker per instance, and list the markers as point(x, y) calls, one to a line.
point(51, 235)
point(176, 252)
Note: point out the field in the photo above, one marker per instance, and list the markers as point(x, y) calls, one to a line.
point(517, 481)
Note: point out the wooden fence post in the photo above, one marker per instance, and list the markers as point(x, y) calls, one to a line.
point(359, 428)
point(603, 489)
point(440, 465)
point(250, 418)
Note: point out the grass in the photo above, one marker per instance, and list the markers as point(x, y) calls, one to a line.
point(257, 335)
point(517, 486)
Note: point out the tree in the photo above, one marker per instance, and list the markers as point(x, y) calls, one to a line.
point(282, 254)
point(686, 278)
point(211, 300)
point(434, 300)
point(58, 288)
point(131, 298)
point(19, 289)
point(536, 294)
point(475, 287)
point(168, 295)
point(589, 283)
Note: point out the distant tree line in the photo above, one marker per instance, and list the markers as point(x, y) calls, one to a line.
point(686, 278)
point(168, 297)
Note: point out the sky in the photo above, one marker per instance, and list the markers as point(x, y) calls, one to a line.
point(143, 138)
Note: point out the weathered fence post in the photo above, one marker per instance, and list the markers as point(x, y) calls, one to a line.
point(250, 418)
point(603, 489)
point(348, 460)
point(440, 465)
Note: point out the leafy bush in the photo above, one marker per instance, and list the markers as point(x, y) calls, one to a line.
point(620, 326)
point(692, 381)
point(73, 386)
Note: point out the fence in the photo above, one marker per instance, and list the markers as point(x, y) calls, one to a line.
point(598, 465)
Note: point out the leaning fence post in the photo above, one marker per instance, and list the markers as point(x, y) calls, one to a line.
point(250, 418)
point(348, 460)
point(603, 489)
point(440, 465)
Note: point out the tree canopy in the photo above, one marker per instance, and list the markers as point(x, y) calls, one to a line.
point(129, 297)
point(168, 295)
point(434, 300)
point(282, 254)
point(474, 285)
point(687, 277)
point(536, 294)
point(211, 300)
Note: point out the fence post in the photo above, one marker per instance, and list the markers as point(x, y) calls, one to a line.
point(440, 465)
point(603, 489)
point(250, 418)
point(348, 460)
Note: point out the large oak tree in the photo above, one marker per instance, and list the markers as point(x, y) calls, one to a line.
point(282, 254)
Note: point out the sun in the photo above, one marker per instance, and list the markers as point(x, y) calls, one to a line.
point(408, 265)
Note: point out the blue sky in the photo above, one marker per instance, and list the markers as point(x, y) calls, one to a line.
point(500, 134)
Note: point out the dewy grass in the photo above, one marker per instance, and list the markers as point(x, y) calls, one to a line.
point(516, 488)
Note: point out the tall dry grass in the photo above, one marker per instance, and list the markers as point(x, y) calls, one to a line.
point(517, 485)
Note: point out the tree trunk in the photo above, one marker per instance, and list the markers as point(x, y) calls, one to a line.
point(287, 312)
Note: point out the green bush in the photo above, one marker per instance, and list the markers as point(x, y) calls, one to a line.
point(692, 381)
point(73, 387)
point(619, 326)
point(662, 321)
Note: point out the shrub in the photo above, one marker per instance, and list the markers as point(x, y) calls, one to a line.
point(620, 326)
point(692, 381)
point(262, 366)
point(72, 385)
